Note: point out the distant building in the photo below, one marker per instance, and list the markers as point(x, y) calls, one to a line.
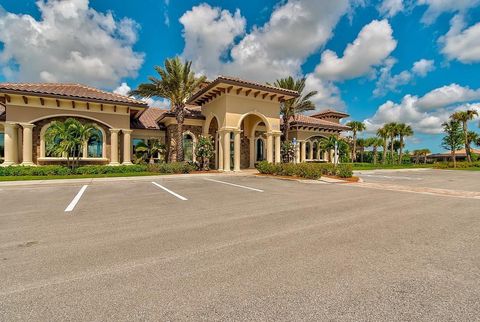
point(461, 155)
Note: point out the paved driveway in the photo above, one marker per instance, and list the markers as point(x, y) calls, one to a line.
point(236, 248)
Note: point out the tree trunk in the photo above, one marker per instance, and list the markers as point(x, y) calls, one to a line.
point(361, 155)
point(425, 159)
point(374, 155)
point(467, 145)
point(384, 152)
point(354, 150)
point(286, 127)
point(401, 151)
point(391, 150)
point(454, 158)
point(180, 117)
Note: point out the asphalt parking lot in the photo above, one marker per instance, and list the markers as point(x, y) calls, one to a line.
point(240, 248)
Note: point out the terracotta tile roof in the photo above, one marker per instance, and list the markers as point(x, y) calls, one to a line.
point(329, 112)
point(77, 91)
point(315, 122)
point(148, 119)
point(458, 153)
point(240, 82)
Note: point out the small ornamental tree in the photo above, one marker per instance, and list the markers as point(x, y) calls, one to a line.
point(288, 151)
point(205, 151)
point(453, 140)
point(148, 151)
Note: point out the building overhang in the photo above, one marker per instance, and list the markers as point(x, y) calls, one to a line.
point(227, 85)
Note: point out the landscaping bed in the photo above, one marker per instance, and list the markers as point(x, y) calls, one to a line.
point(305, 170)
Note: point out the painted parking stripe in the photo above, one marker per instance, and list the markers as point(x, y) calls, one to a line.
point(75, 200)
point(170, 191)
point(235, 185)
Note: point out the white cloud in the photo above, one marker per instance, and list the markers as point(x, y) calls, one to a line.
point(328, 95)
point(460, 42)
point(388, 82)
point(71, 42)
point(372, 46)
point(266, 52)
point(426, 114)
point(209, 33)
point(437, 7)
point(447, 95)
point(124, 89)
point(390, 8)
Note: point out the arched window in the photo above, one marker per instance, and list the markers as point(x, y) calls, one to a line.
point(95, 144)
point(2, 146)
point(260, 146)
point(52, 146)
point(308, 147)
point(188, 147)
point(315, 150)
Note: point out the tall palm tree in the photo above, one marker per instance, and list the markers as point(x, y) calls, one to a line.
point(328, 144)
point(292, 107)
point(355, 127)
point(361, 144)
point(392, 130)
point(403, 130)
point(425, 152)
point(472, 138)
point(374, 142)
point(464, 117)
point(383, 134)
point(177, 83)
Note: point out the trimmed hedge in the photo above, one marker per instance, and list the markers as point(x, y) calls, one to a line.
point(58, 170)
point(460, 165)
point(305, 170)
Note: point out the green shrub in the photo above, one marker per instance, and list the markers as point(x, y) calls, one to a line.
point(48, 170)
point(105, 169)
point(171, 168)
point(304, 170)
point(460, 165)
point(344, 171)
point(309, 170)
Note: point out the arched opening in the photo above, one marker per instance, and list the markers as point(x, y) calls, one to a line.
point(2, 146)
point(188, 147)
point(308, 149)
point(259, 149)
point(214, 135)
point(95, 144)
point(315, 150)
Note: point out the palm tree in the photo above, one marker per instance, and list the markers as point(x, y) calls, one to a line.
point(292, 107)
point(383, 134)
point(392, 130)
point(403, 130)
point(177, 83)
point(67, 139)
point(472, 137)
point(464, 117)
point(150, 149)
point(361, 144)
point(374, 142)
point(425, 152)
point(355, 127)
point(453, 139)
point(328, 144)
point(416, 154)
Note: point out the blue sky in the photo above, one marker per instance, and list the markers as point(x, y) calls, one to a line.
point(391, 60)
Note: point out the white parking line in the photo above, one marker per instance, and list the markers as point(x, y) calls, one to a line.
point(389, 177)
point(235, 185)
point(170, 191)
point(75, 200)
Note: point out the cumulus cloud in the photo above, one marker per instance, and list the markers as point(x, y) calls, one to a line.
point(390, 8)
point(209, 33)
point(328, 95)
point(124, 89)
point(426, 114)
point(372, 46)
point(390, 83)
point(462, 43)
point(437, 7)
point(71, 42)
point(266, 52)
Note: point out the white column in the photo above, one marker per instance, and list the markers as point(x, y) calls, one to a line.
point(11, 145)
point(332, 153)
point(277, 149)
point(27, 143)
point(236, 149)
point(114, 146)
point(269, 147)
point(220, 151)
point(226, 150)
point(303, 152)
point(252, 152)
point(127, 144)
point(297, 152)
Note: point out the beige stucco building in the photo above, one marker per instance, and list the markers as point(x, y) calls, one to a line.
point(242, 117)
